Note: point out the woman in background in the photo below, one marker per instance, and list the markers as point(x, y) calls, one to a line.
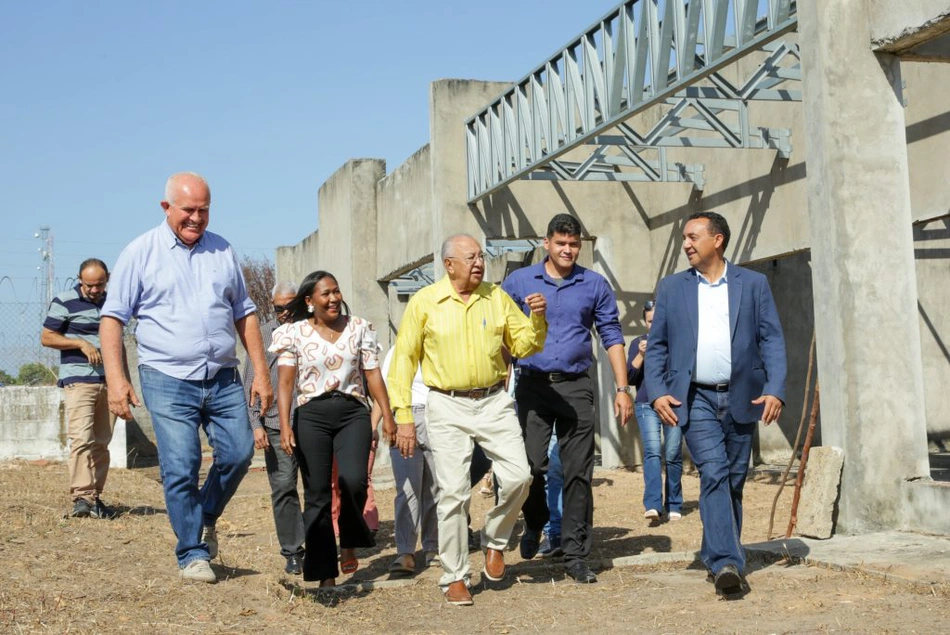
point(650, 426)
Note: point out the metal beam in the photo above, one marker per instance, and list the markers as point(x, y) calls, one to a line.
point(629, 60)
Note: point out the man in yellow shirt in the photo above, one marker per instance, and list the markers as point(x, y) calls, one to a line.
point(457, 328)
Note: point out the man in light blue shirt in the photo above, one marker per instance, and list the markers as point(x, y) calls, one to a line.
point(184, 287)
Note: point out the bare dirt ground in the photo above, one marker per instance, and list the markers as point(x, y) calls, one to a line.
point(90, 576)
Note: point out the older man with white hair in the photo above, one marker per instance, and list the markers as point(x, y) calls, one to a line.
point(185, 288)
point(458, 328)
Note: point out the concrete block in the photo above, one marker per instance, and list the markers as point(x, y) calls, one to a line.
point(819, 492)
point(32, 423)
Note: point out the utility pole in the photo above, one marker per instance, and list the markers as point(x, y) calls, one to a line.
point(45, 235)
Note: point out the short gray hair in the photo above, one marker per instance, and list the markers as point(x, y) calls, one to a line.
point(284, 288)
point(173, 179)
point(448, 245)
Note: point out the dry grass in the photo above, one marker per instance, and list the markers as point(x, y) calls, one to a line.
point(89, 576)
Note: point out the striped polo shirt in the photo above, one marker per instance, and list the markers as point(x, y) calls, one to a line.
point(75, 316)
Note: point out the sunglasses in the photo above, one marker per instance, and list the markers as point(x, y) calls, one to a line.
point(280, 308)
point(648, 305)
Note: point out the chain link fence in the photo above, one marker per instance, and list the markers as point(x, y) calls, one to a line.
point(23, 360)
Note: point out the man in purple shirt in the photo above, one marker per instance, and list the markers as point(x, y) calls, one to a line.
point(554, 388)
point(185, 288)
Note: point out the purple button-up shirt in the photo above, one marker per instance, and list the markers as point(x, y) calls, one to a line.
point(186, 302)
point(582, 301)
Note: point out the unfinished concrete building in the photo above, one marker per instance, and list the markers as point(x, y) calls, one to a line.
point(817, 128)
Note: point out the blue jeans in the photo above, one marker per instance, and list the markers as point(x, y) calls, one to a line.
point(721, 448)
point(553, 488)
point(654, 492)
point(179, 407)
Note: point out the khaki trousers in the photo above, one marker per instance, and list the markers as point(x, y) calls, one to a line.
point(454, 425)
point(90, 426)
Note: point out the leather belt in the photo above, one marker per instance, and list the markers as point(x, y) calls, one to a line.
point(474, 393)
point(724, 387)
point(551, 377)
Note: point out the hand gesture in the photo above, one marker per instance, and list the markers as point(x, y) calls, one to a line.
point(664, 409)
point(537, 303)
point(406, 440)
point(121, 396)
point(261, 442)
point(91, 352)
point(642, 346)
point(773, 408)
point(287, 441)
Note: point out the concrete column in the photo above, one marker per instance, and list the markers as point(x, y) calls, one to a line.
point(451, 102)
point(864, 278)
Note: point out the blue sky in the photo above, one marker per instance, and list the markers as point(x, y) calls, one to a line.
point(103, 100)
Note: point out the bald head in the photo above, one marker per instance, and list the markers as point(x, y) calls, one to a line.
point(464, 261)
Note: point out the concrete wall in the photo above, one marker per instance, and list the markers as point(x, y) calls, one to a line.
point(404, 197)
point(33, 426)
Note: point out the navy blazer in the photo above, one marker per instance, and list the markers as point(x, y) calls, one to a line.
point(758, 346)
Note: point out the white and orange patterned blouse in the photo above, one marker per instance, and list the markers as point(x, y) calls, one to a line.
point(323, 366)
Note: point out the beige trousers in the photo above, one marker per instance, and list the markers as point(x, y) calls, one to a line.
point(90, 431)
point(454, 425)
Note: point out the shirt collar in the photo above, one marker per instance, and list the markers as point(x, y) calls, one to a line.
point(171, 240)
point(701, 279)
point(577, 272)
point(445, 290)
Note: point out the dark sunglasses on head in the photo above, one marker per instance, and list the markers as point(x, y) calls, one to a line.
point(648, 305)
point(280, 308)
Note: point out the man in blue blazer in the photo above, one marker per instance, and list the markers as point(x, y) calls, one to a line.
point(716, 360)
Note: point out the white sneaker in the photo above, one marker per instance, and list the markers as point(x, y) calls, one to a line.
point(432, 558)
point(198, 571)
point(651, 514)
point(210, 537)
point(675, 515)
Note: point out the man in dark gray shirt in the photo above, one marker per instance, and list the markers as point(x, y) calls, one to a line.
point(282, 469)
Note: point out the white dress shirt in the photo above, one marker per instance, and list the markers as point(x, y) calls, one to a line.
point(714, 344)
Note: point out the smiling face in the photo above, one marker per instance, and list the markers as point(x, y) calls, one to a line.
point(188, 208)
point(466, 264)
point(562, 251)
point(326, 300)
point(701, 246)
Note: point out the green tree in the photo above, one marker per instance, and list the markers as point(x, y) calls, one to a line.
point(36, 374)
point(6, 378)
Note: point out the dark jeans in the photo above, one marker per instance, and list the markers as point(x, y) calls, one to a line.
point(324, 427)
point(566, 407)
point(282, 474)
point(720, 448)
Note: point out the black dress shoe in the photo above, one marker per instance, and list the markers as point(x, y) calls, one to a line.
point(474, 541)
point(581, 572)
point(728, 580)
point(294, 565)
point(530, 543)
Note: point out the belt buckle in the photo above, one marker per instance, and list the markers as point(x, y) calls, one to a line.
point(723, 387)
point(556, 377)
point(478, 393)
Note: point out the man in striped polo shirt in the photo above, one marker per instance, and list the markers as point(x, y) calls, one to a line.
point(72, 327)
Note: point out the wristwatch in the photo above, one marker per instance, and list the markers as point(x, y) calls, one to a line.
point(626, 389)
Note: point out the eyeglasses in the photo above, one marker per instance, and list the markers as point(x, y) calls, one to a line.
point(648, 305)
point(280, 308)
point(470, 260)
point(95, 285)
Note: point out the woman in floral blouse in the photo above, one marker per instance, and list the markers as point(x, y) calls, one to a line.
point(331, 357)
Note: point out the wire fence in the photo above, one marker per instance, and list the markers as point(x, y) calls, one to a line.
point(23, 360)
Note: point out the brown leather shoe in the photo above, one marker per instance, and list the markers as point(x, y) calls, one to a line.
point(458, 594)
point(494, 565)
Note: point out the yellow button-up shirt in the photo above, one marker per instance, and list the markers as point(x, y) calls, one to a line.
point(459, 344)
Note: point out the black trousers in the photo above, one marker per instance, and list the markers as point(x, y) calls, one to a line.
point(568, 408)
point(324, 427)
